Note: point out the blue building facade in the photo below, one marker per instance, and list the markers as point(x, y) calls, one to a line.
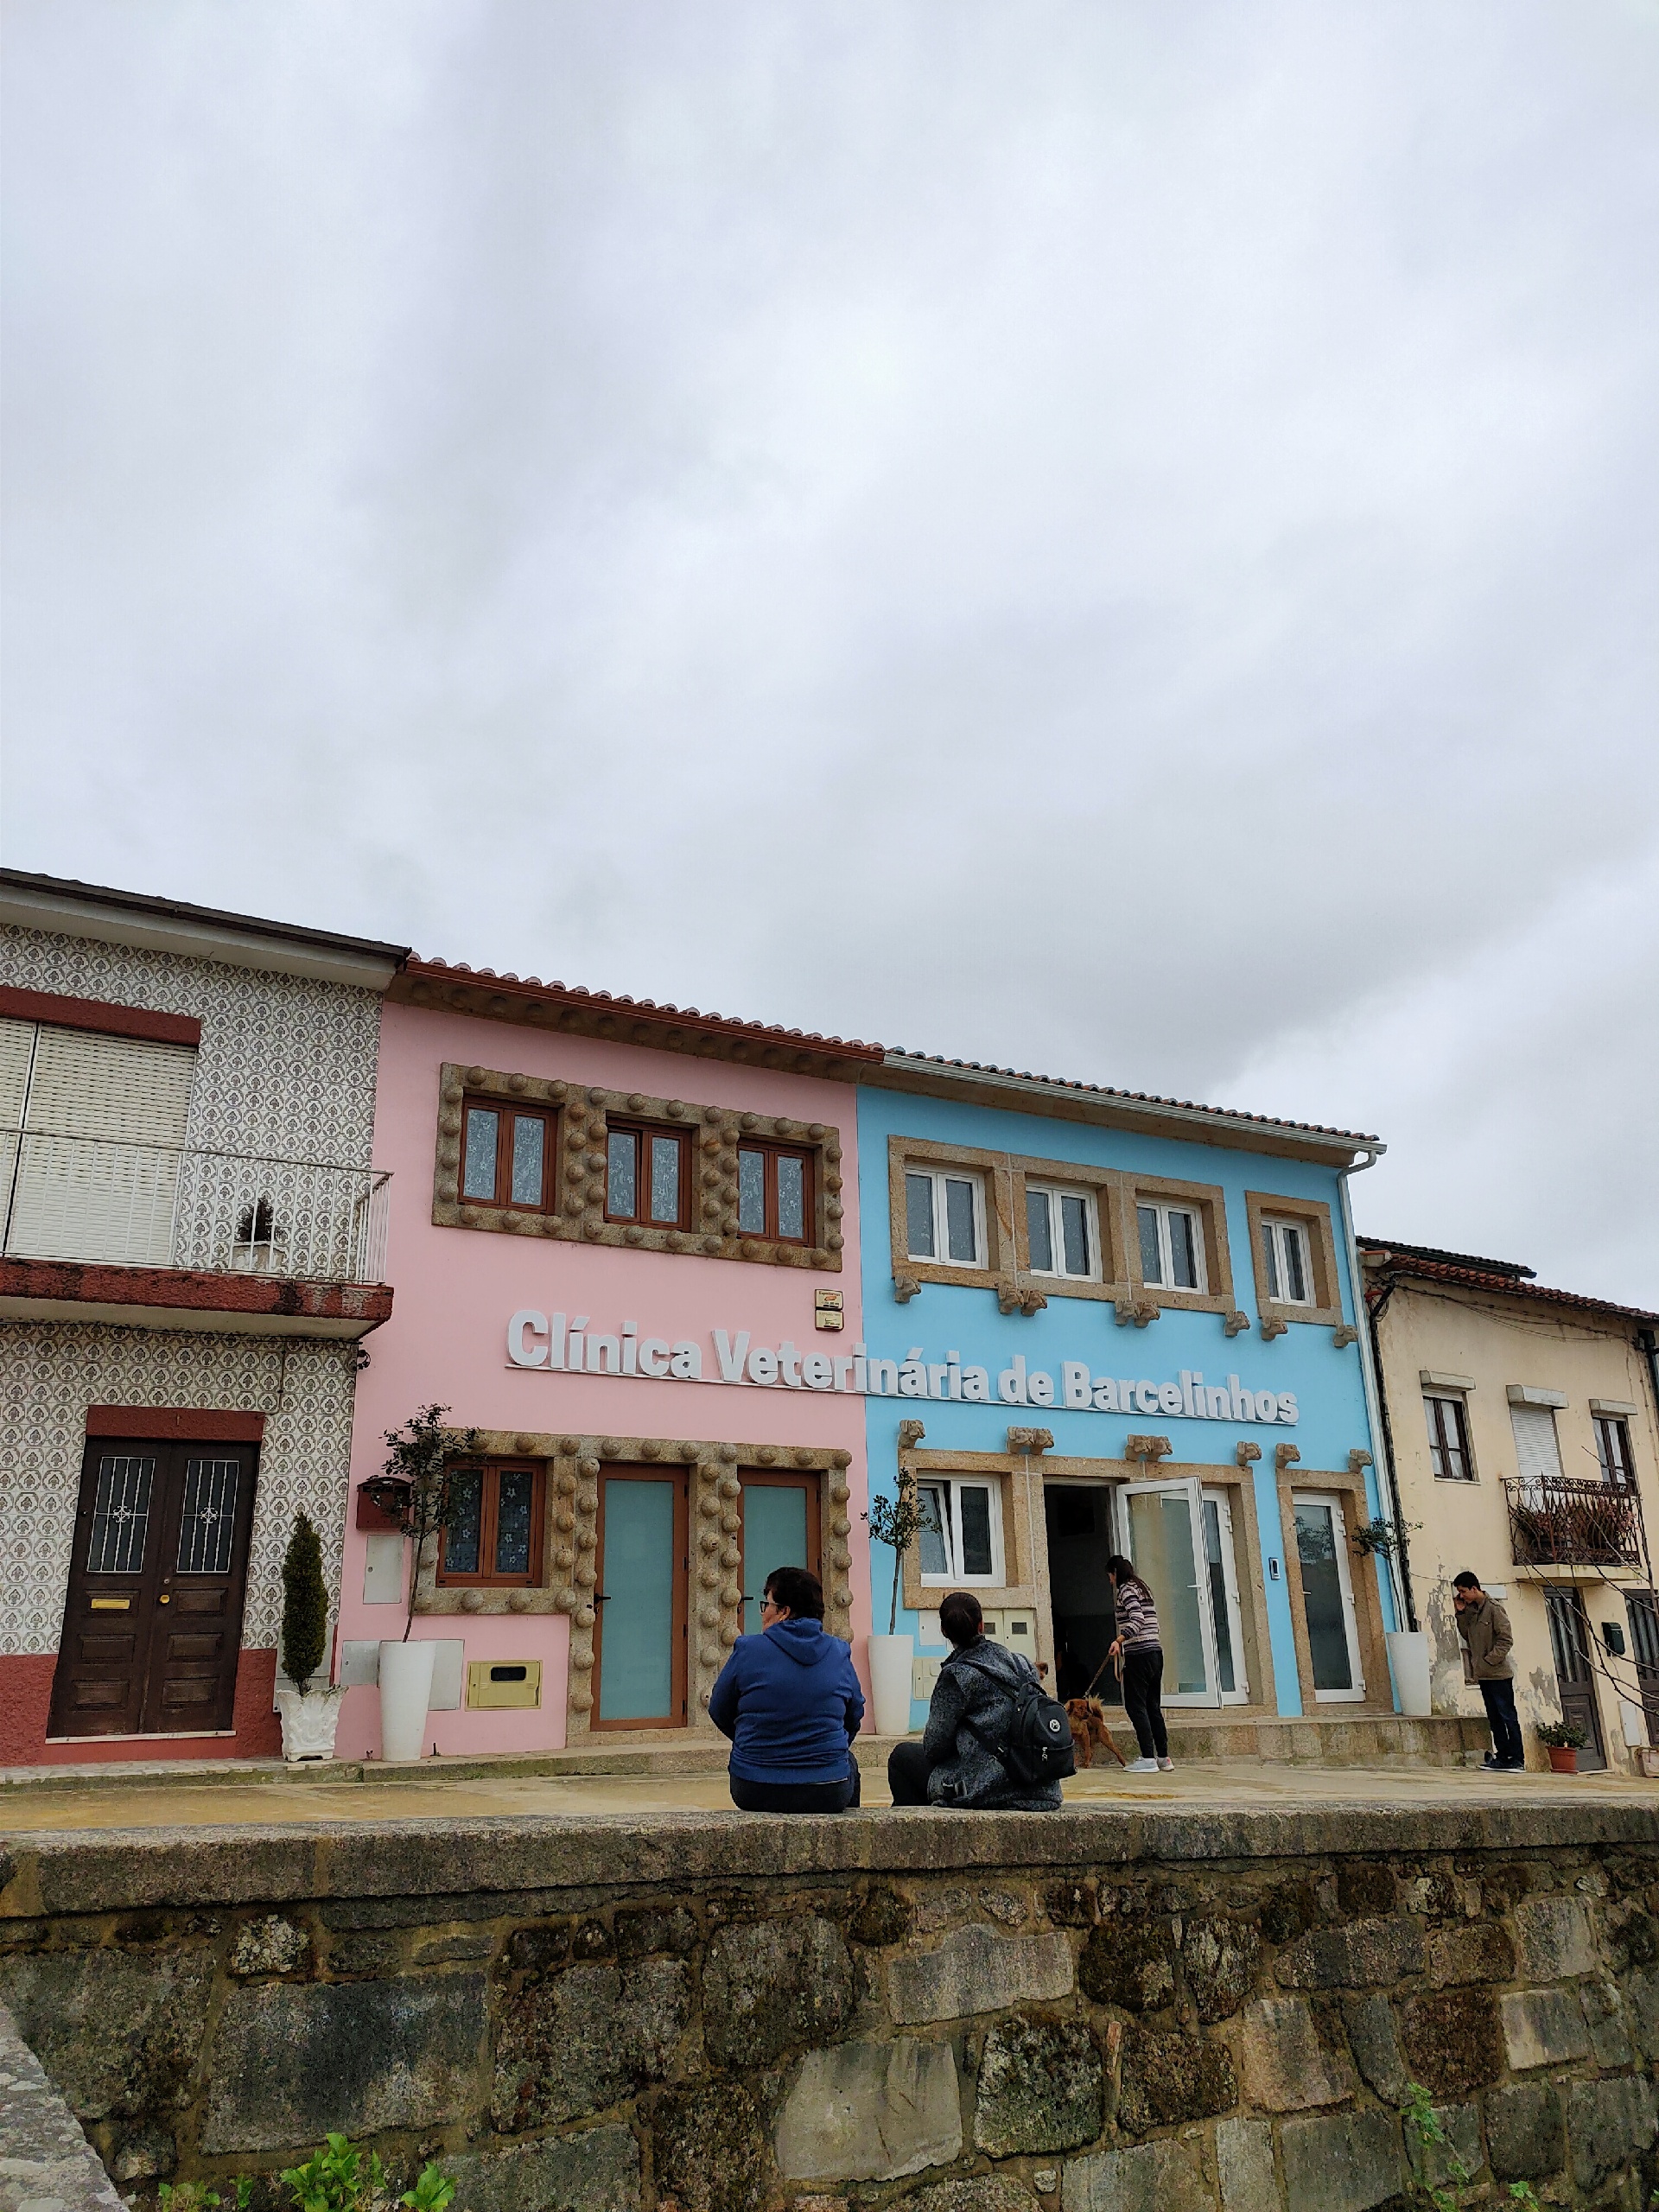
point(1098, 1323)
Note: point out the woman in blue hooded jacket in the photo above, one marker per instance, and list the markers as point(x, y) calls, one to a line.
point(791, 1703)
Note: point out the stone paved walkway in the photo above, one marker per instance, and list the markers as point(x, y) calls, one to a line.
point(1208, 1786)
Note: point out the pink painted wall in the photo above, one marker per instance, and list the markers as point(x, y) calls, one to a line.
point(456, 1288)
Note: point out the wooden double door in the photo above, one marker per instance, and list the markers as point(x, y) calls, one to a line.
point(152, 1624)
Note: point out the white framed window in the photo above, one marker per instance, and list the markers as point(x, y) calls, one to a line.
point(1289, 1263)
point(1063, 1232)
point(945, 1217)
point(960, 1540)
point(1172, 1246)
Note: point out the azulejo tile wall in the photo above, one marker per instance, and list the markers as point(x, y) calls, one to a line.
point(50, 1373)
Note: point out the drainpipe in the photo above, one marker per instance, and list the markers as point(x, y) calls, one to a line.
point(1372, 1374)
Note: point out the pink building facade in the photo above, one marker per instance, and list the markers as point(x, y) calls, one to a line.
point(625, 1247)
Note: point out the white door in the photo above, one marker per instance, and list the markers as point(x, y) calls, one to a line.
point(1164, 1535)
point(1328, 1597)
point(1221, 1569)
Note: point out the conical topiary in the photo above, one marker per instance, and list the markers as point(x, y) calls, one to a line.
point(305, 1604)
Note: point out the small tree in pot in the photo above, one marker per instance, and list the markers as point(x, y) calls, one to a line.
point(310, 1715)
point(419, 1492)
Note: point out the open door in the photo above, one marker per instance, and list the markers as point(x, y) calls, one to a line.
point(1163, 1535)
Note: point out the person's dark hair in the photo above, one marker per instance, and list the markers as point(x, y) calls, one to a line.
point(1121, 1570)
point(960, 1616)
point(799, 1589)
point(1465, 1581)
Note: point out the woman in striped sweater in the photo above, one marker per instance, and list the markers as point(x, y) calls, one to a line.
point(1141, 1648)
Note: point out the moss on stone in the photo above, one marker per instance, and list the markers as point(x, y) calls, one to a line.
point(882, 1917)
point(1169, 2077)
point(1290, 1911)
point(1453, 2039)
point(1364, 1887)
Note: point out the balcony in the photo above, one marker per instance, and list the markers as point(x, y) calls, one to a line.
point(1557, 1521)
point(173, 1237)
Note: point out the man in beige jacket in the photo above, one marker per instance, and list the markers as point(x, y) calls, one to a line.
point(1487, 1637)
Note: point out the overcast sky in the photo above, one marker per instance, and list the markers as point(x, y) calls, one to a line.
point(1115, 537)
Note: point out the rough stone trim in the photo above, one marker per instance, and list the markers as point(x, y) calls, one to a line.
point(1314, 1216)
point(582, 1112)
point(1349, 1486)
point(1209, 1202)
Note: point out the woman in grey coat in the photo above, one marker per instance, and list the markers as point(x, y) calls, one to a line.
point(982, 1683)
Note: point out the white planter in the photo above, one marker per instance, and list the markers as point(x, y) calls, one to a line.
point(890, 1661)
point(405, 1694)
point(309, 1722)
point(1408, 1657)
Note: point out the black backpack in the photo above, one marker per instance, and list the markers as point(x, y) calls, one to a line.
point(1037, 1749)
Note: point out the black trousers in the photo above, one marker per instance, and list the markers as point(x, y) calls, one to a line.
point(1143, 1675)
point(907, 1772)
point(1498, 1698)
point(796, 1796)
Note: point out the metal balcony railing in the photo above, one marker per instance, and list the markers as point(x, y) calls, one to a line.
point(1563, 1521)
point(95, 1200)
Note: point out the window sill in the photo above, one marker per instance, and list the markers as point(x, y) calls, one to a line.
point(590, 1228)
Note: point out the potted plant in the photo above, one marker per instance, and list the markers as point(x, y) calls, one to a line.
point(310, 1710)
point(417, 1492)
point(1563, 1740)
point(893, 1522)
point(1382, 1539)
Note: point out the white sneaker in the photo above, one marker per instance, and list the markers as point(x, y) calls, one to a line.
point(1143, 1766)
point(1165, 1766)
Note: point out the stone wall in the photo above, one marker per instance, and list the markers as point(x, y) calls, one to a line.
point(1092, 2011)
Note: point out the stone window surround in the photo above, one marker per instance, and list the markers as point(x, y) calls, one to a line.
point(583, 1111)
point(1349, 1486)
point(1314, 1216)
point(714, 1609)
point(1026, 1557)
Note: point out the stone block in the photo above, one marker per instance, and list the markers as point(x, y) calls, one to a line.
point(974, 2193)
point(446, 1948)
point(656, 1928)
point(1351, 2162)
point(871, 2112)
point(269, 1946)
point(118, 2033)
point(973, 1970)
point(597, 2171)
point(1604, 2015)
point(577, 2043)
point(882, 1917)
point(1609, 2126)
point(1364, 1887)
point(1366, 1955)
point(1220, 1958)
point(1642, 1995)
point(773, 1987)
point(1164, 2177)
point(1544, 2027)
point(1526, 2130)
point(709, 2149)
point(291, 2060)
point(1480, 1951)
point(1286, 2068)
point(1244, 2166)
point(1374, 2038)
point(1435, 2164)
point(1130, 1964)
point(945, 1908)
point(369, 1951)
point(1169, 2077)
point(1041, 2088)
point(1555, 1939)
point(1452, 2040)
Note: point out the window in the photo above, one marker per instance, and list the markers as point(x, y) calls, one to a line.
point(1290, 1275)
point(1171, 1247)
point(494, 1533)
point(1537, 1452)
point(1061, 1228)
point(1448, 1439)
point(647, 1176)
point(945, 1217)
point(960, 1539)
point(774, 1194)
point(1613, 1451)
point(507, 1157)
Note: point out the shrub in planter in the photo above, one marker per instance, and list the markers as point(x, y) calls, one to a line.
point(309, 1716)
point(1563, 1740)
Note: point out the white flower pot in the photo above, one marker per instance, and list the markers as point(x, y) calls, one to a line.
point(309, 1722)
point(890, 1661)
point(1408, 1657)
point(405, 1693)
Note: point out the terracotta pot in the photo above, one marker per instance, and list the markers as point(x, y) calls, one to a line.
point(1563, 1758)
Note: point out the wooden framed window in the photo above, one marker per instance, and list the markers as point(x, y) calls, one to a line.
point(494, 1535)
point(1288, 1262)
point(1172, 1246)
point(945, 1216)
point(1448, 1439)
point(507, 1155)
point(1613, 1451)
point(774, 1193)
point(1063, 1232)
point(647, 1175)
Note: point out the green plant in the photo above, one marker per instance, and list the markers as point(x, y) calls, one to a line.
point(339, 2177)
point(196, 2196)
point(1422, 2121)
point(431, 2193)
point(1381, 1538)
point(1562, 1735)
point(894, 1522)
point(418, 1488)
point(305, 1604)
point(1521, 2192)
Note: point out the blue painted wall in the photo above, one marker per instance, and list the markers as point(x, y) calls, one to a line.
point(1329, 1384)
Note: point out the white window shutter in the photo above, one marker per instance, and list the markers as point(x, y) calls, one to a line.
point(1537, 1452)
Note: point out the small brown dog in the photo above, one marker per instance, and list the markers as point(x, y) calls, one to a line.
point(1087, 1718)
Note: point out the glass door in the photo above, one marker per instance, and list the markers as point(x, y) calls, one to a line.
point(1165, 1536)
point(1221, 1571)
point(639, 1639)
point(1328, 1599)
point(780, 1528)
